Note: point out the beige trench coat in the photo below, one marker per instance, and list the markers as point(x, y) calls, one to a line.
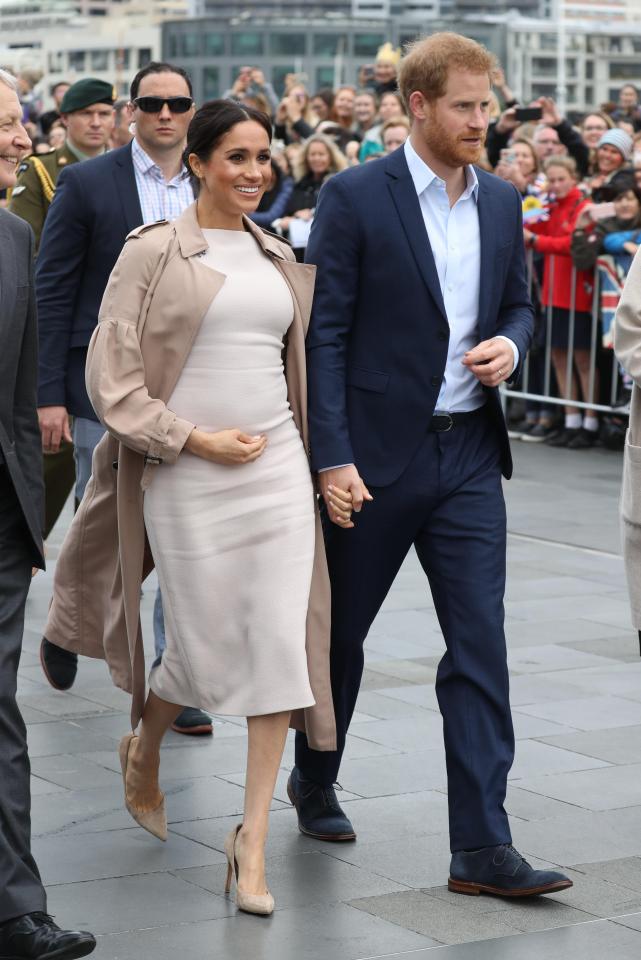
point(627, 346)
point(156, 298)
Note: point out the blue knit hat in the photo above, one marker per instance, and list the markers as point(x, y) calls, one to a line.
point(618, 139)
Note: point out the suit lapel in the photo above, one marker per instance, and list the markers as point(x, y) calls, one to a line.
point(409, 211)
point(8, 282)
point(126, 188)
point(487, 233)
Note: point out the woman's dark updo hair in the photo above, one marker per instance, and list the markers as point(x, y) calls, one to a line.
point(212, 121)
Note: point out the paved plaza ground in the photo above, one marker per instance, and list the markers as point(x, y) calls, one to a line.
point(574, 795)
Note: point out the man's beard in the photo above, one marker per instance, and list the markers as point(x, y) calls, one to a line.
point(449, 149)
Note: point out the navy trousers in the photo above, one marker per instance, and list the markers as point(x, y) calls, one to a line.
point(449, 504)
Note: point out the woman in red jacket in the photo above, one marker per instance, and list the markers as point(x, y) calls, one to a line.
point(552, 238)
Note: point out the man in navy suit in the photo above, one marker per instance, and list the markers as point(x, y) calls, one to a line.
point(95, 206)
point(421, 310)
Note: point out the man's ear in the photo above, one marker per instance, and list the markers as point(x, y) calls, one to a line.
point(418, 105)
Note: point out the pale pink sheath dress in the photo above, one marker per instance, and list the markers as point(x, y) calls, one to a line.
point(234, 545)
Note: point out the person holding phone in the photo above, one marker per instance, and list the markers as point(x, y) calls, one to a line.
point(562, 134)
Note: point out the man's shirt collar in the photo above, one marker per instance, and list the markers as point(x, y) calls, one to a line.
point(423, 176)
point(146, 165)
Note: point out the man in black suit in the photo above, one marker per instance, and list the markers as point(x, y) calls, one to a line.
point(26, 931)
point(95, 206)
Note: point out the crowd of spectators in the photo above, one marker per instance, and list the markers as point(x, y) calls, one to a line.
point(579, 177)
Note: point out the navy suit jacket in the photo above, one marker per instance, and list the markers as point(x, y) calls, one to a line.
point(94, 207)
point(378, 337)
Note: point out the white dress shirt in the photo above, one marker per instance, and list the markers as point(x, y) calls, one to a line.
point(455, 239)
point(160, 199)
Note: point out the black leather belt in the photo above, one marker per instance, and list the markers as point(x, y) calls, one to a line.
point(444, 422)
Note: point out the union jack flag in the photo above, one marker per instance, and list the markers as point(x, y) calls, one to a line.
point(611, 272)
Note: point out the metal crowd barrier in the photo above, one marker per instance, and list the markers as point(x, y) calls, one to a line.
point(523, 392)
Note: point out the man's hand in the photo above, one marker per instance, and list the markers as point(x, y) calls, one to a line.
point(338, 484)
point(550, 111)
point(507, 121)
point(54, 428)
point(491, 361)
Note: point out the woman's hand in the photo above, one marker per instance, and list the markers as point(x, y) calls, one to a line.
point(630, 247)
point(304, 214)
point(339, 504)
point(227, 447)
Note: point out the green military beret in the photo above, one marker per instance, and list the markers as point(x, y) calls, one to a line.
point(84, 93)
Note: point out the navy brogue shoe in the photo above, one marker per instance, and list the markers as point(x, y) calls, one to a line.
point(501, 871)
point(319, 813)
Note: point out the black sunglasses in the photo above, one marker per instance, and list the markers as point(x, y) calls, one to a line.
point(155, 104)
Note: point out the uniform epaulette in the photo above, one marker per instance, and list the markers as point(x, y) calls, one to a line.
point(138, 232)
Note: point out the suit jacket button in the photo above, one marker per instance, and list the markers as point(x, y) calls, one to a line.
point(436, 381)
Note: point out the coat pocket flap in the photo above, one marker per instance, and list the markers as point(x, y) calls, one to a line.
point(367, 379)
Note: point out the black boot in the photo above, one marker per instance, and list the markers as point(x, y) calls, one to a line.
point(60, 666)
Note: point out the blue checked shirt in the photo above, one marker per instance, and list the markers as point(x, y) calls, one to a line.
point(159, 199)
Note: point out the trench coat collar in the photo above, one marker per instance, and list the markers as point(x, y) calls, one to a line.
point(191, 238)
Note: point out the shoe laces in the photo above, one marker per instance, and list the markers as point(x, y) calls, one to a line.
point(44, 918)
point(329, 793)
point(512, 849)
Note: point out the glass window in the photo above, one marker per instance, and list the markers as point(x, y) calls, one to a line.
point(247, 44)
point(548, 41)
point(190, 44)
point(172, 46)
point(287, 44)
point(625, 71)
point(327, 44)
point(55, 61)
point(367, 44)
point(77, 60)
point(214, 44)
point(408, 37)
point(544, 66)
point(278, 77)
point(211, 83)
point(589, 69)
point(325, 77)
point(144, 57)
point(99, 59)
point(589, 95)
point(543, 90)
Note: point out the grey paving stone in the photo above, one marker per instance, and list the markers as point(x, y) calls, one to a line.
point(560, 630)
point(415, 861)
point(599, 607)
point(189, 759)
point(609, 788)
point(40, 787)
point(130, 903)
point(533, 806)
point(116, 853)
point(412, 671)
point(415, 910)
point(556, 586)
point(527, 727)
point(400, 773)
point(632, 921)
point(553, 656)
point(303, 879)
point(626, 871)
point(585, 941)
point(584, 837)
point(594, 713)
point(419, 733)
point(51, 739)
point(380, 705)
point(72, 771)
point(338, 931)
point(620, 745)
point(532, 688)
point(533, 759)
point(624, 646)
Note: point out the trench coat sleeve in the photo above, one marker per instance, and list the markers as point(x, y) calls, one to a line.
point(115, 372)
point(627, 324)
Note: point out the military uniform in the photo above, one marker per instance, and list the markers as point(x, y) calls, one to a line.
point(37, 178)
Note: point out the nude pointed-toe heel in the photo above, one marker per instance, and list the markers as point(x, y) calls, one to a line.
point(154, 821)
point(258, 903)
